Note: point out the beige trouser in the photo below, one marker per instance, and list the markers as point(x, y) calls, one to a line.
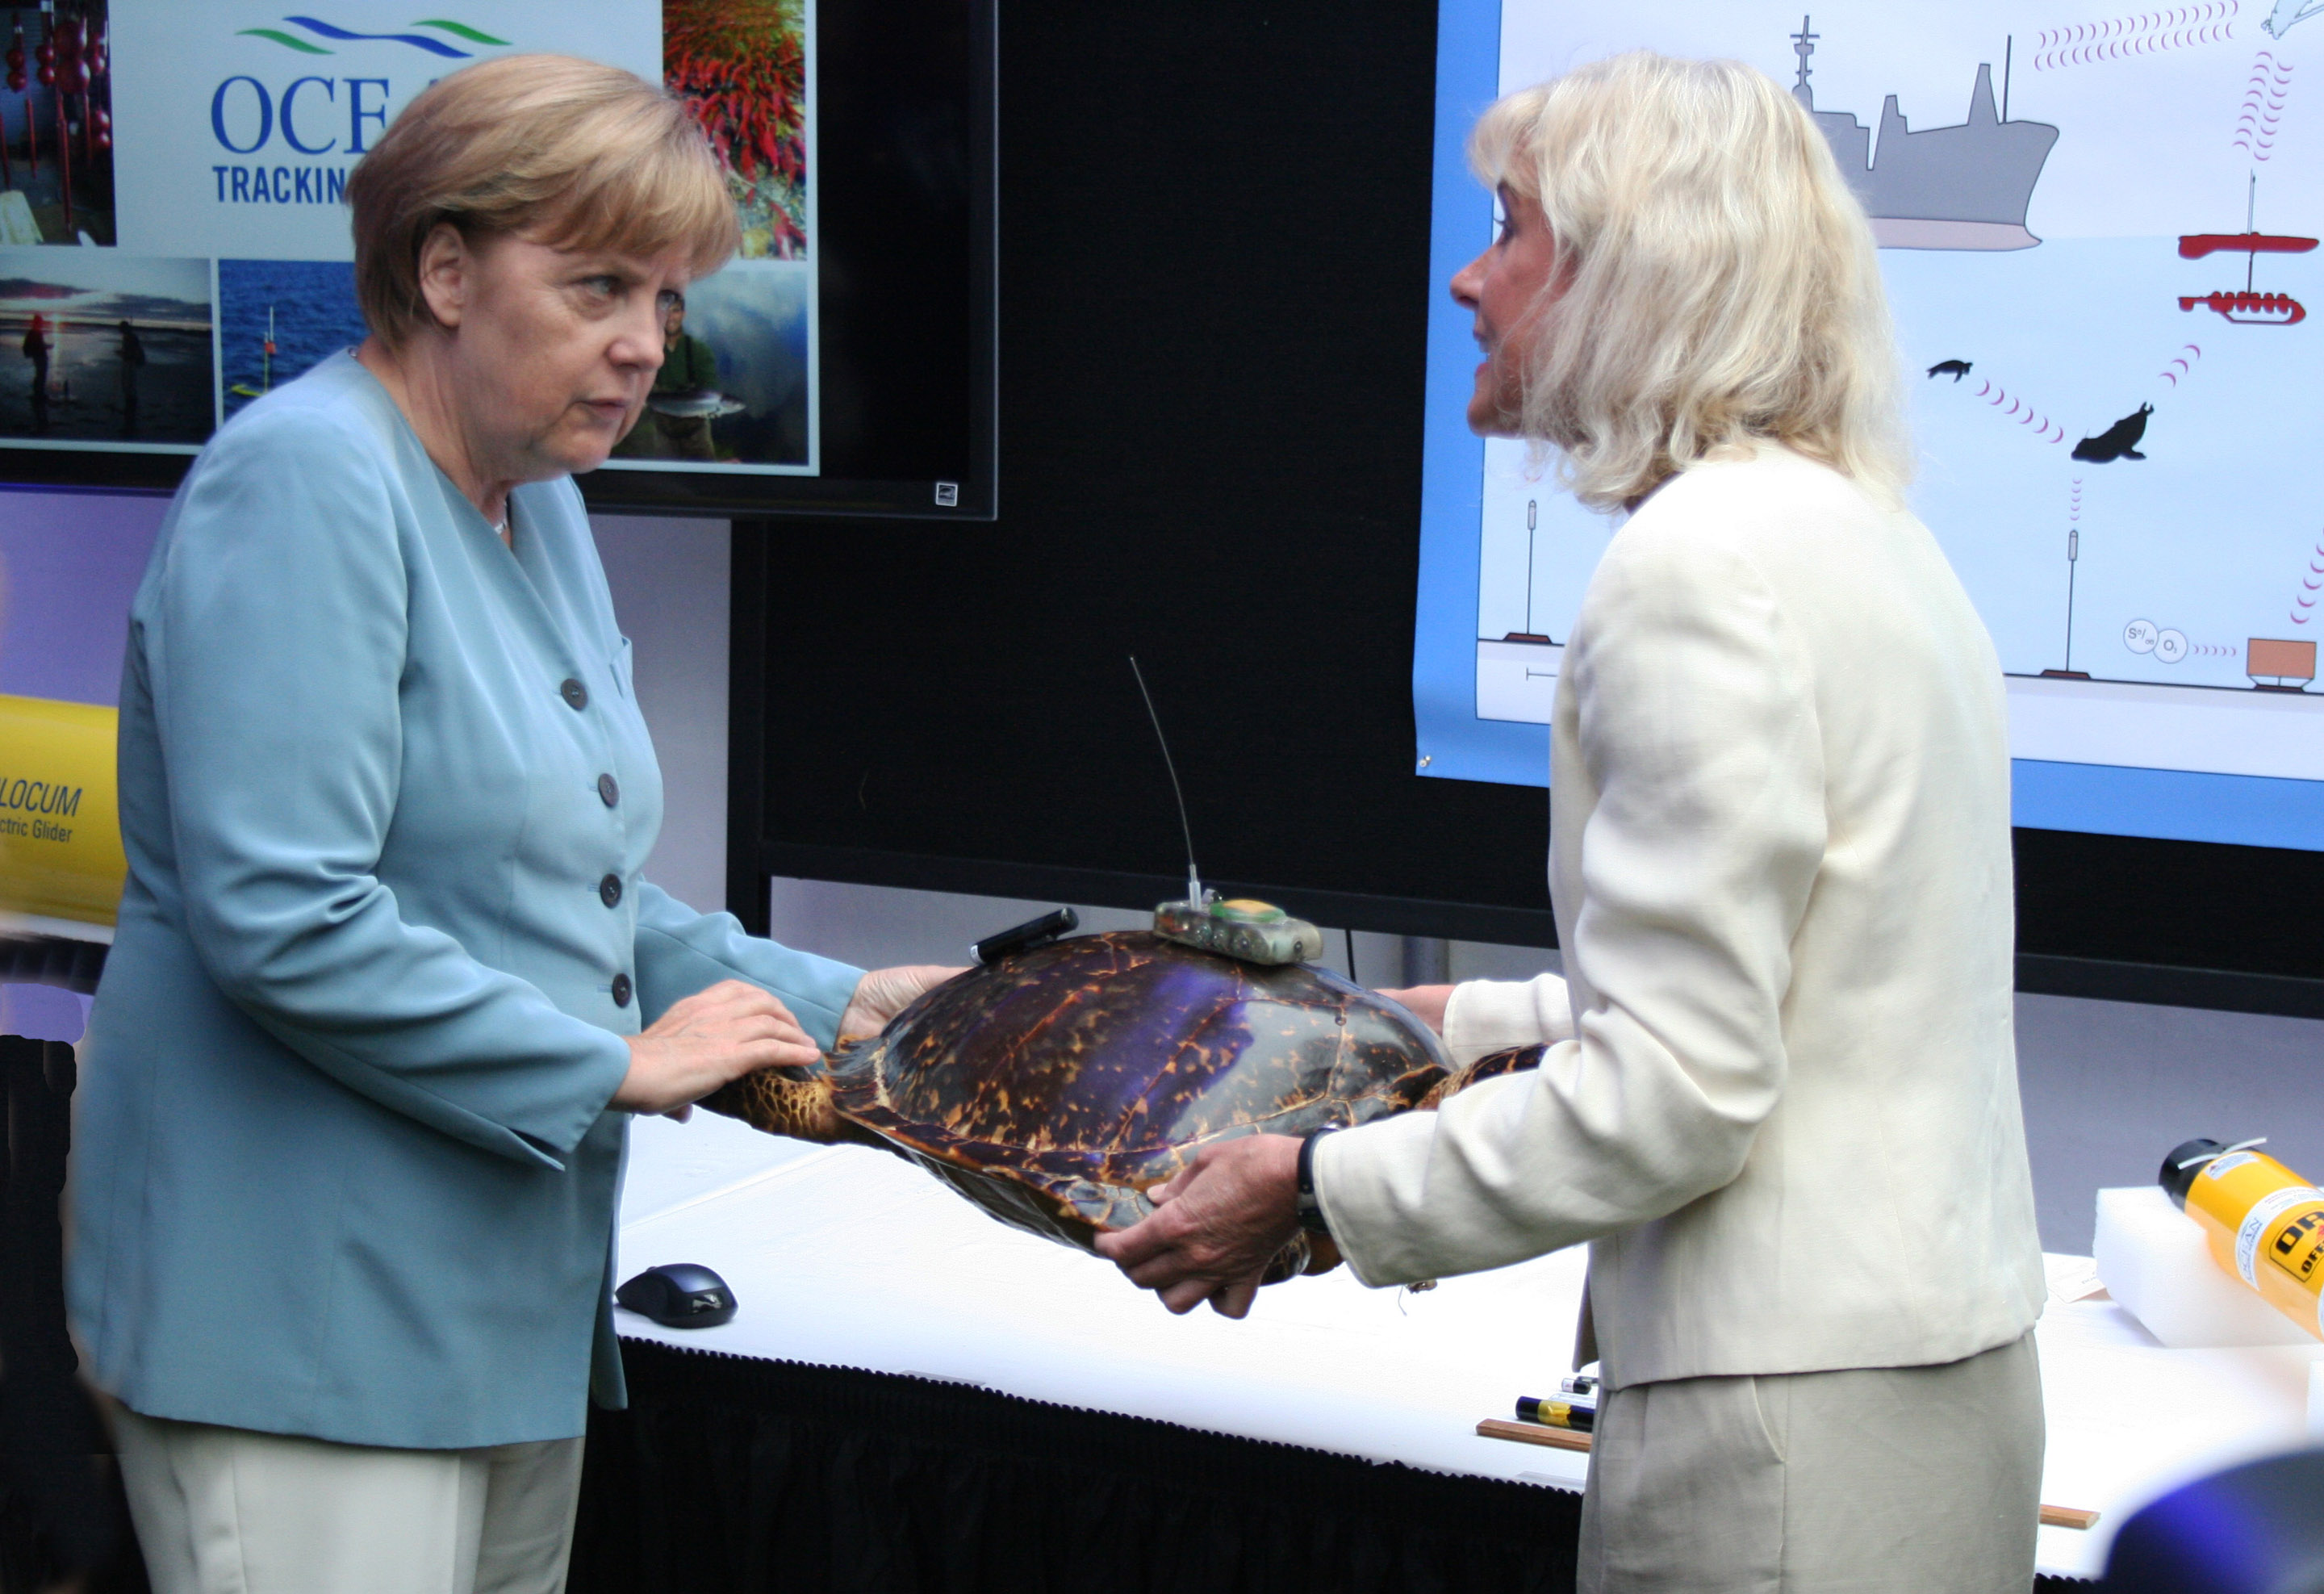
point(229, 1511)
point(1915, 1479)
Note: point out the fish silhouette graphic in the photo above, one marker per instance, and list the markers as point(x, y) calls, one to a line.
point(2118, 441)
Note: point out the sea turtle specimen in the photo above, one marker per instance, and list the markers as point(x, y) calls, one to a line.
point(1055, 1086)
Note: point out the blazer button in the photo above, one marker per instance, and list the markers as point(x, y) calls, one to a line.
point(609, 789)
point(575, 694)
point(610, 888)
point(621, 991)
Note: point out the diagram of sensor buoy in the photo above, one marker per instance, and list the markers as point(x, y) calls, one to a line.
point(2274, 726)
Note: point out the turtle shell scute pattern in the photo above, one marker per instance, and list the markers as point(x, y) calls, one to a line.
point(1054, 1087)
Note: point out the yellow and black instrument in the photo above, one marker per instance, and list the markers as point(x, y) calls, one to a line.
point(2264, 1222)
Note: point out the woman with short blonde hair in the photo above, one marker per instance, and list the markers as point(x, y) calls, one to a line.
point(1777, 1089)
point(573, 155)
point(388, 981)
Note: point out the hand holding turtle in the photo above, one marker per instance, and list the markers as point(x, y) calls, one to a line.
point(1215, 1226)
point(882, 993)
point(702, 1042)
point(1424, 1003)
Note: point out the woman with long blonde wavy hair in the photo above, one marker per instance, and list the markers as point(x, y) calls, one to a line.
point(1778, 1094)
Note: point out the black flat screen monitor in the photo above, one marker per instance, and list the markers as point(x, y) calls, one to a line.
point(173, 242)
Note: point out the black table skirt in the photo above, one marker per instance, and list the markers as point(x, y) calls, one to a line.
point(744, 1476)
point(773, 1478)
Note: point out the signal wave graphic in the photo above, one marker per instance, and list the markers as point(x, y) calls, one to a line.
point(2262, 112)
point(2149, 32)
point(2178, 365)
point(2304, 600)
point(2044, 429)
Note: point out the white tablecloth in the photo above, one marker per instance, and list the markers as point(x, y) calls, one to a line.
point(849, 1258)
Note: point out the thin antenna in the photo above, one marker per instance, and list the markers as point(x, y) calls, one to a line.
point(2008, 48)
point(1194, 880)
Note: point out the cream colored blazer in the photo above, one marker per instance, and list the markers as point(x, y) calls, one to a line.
point(1783, 1104)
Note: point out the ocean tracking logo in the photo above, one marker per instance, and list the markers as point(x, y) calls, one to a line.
point(338, 34)
point(333, 116)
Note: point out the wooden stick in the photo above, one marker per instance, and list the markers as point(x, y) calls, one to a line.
point(1533, 1433)
point(2072, 1516)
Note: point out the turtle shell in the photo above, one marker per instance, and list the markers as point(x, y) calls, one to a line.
point(1053, 1087)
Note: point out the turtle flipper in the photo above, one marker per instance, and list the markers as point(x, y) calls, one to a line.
point(1323, 1254)
point(1491, 1065)
point(1297, 1257)
point(785, 1101)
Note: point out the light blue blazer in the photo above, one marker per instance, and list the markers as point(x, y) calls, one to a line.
point(344, 1167)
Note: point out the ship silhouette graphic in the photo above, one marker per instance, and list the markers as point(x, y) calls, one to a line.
point(1964, 186)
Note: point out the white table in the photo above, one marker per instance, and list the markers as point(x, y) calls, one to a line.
point(849, 1258)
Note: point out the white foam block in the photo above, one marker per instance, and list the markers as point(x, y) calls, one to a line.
point(2154, 1263)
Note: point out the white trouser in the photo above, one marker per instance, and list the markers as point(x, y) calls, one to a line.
point(1874, 1480)
point(230, 1511)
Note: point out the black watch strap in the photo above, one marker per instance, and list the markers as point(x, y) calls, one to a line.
point(1311, 1210)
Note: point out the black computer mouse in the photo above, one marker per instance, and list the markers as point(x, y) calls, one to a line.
point(679, 1295)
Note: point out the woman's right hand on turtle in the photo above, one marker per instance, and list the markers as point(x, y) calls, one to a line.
point(714, 1036)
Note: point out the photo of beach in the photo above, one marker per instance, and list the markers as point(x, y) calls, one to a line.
point(96, 346)
point(56, 123)
point(278, 318)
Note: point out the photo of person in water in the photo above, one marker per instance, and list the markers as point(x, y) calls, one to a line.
point(36, 350)
point(132, 357)
point(117, 346)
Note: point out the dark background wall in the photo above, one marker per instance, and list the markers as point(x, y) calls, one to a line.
point(1214, 278)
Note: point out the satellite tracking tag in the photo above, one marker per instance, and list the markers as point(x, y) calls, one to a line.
point(1252, 932)
point(1240, 928)
point(1032, 933)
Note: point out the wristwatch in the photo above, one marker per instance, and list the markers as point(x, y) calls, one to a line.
point(1311, 1211)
